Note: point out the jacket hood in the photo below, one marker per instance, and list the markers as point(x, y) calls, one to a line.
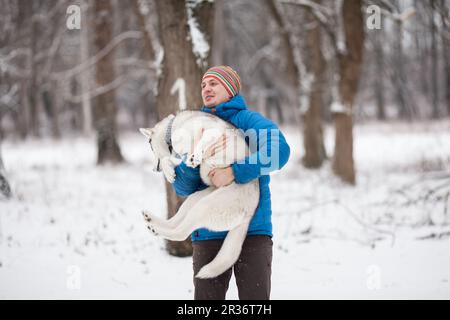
point(227, 109)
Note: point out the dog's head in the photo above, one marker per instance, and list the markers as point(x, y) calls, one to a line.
point(157, 140)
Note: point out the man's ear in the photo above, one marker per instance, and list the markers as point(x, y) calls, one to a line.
point(148, 132)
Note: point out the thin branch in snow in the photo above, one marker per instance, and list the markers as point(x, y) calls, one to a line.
point(102, 53)
point(105, 88)
point(56, 43)
point(321, 12)
point(7, 98)
point(400, 17)
point(268, 50)
point(45, 17)
point(389, 10)
point(354, 216)
point(433, 235)
point(365, 225)
point(15, 53)
point(324, 16)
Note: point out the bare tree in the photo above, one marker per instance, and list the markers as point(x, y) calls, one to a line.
point(399, 59)
point(398, 68)
point(105, 105)
point(33, 92)
point(315, 66)
point(86, 105)
point(180, 73)
point(434, 61)
point(349, 63)
point(421, 49)
point(141, 11)
point(308, 81)
point(445, 36)
point(292, 70)
point(5, 189)
point(378, 36)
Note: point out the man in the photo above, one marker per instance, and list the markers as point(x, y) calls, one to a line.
point(220, 93)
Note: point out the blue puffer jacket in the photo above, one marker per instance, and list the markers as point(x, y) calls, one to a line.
point(269, 151)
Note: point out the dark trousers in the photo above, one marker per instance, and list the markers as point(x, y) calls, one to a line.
point(252, 270)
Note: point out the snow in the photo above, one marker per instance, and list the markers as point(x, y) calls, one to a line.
point(73, 230)
point(200, 45)
point(180, 86)
point(338, 107)
point(306, 83)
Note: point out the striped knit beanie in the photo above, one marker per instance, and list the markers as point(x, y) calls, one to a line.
point(227, 77)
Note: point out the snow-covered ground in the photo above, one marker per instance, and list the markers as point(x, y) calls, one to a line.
point(74, 230)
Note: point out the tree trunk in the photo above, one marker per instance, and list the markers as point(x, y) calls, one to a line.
point(33, 90)
point(312, 132)
point(5, 189)
point(445, 32)
point(51, 99)
point(105, 105)
point(179, 62)
point(22, 118)
point(149, 50)
point(379, 37)
point(219, 38)
point(147, 40)
point(291, 69)
point(86, 106)
point(400, 81)
point(399, 73)
point(350, 64)
point(421, 47)
point(434, 63)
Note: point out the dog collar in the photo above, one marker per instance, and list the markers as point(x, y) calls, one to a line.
point(168, 137)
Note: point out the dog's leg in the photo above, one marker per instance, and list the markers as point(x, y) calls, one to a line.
point(209, 137)
point(206, 213)
point(156, 222)
point(168, 168)
point(194, 218)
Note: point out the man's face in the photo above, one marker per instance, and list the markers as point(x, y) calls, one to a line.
point(213, 92)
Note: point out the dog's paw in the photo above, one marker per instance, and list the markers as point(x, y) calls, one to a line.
point(170, 177)
point(152, 229)
point(168, 169)
point(147, 216)
point(149, 222)
point(193, 160)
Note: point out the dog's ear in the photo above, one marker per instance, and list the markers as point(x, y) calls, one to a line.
point(146, 132)
point(170, 116)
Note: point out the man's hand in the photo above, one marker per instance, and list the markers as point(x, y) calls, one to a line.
point(221, 176)
point(216, 147)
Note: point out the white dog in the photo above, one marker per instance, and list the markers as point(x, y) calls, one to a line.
point(229, 208)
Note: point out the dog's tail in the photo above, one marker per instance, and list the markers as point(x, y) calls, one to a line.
point(228, 253)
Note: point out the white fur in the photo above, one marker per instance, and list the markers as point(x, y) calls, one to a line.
point(229, 208)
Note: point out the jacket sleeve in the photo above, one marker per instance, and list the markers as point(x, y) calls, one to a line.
point(187, 180)
point(268, 147)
